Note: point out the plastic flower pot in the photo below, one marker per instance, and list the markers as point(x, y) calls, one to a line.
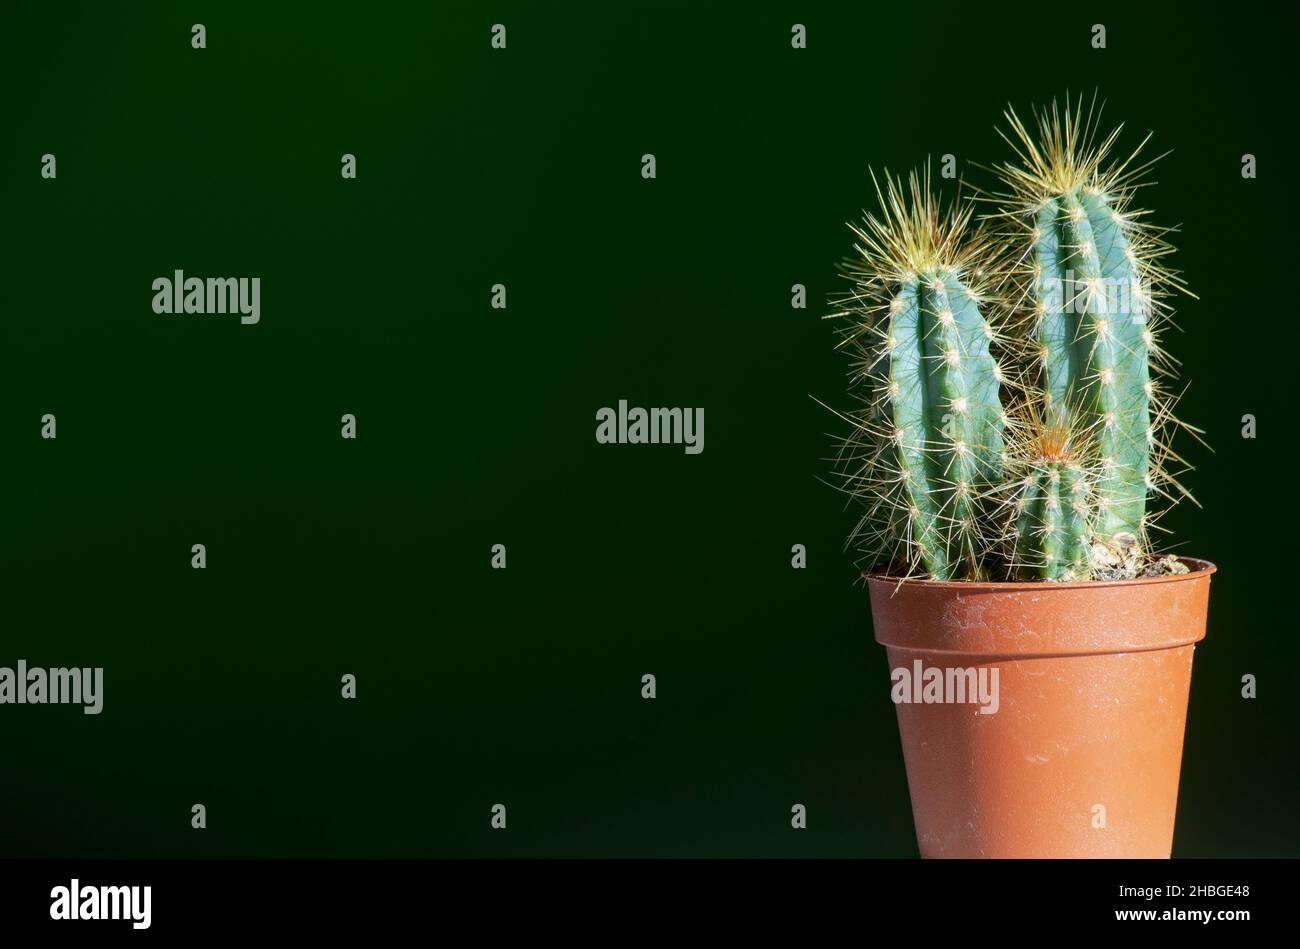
point(1080, 757)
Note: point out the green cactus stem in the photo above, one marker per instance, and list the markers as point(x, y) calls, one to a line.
point(1093, 282)
point(1092, 328)
point(1052, 535)
point(1049, 495)
point(930, 438)
point(940, 390)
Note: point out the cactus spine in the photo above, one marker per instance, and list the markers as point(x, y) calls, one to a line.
point(929, 438)
point(1091, 269)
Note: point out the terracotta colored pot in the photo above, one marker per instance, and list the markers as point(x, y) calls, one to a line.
point(1081, 756)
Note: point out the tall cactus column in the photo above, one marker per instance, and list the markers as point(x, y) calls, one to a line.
point(1091, 268)
point(1093, 332)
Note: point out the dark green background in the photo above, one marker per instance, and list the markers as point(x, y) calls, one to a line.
point(476, 426)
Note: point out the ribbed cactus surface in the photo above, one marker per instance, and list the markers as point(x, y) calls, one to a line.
point(1052, 522)
point(1092, 330)
point(939, 386)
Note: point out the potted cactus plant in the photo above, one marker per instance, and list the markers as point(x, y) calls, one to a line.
point(1007, 457)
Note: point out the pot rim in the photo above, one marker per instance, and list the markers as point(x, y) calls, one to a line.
point(1198, 568)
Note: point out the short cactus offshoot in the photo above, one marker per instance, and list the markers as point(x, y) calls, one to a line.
point(1050, 499)
point(1053, 531)
point(1091, 274)
point(928, 439)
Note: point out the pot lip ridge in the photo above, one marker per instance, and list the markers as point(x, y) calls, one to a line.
point(1198, 569)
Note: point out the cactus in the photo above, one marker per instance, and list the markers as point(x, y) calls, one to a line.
point(1053, 530)
point(1092, 277)
point(1051, 498)
point(929, 437)
point(1052, 306)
